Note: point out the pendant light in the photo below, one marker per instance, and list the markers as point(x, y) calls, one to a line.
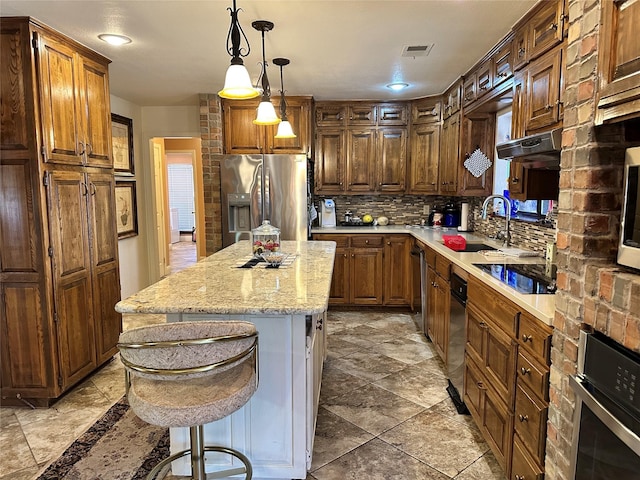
point(237, 83)
point(284, 127)
point(266, 112)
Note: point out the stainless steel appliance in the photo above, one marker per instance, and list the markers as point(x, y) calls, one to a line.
point(629, 247)
point(264, 187)
point(606, 436)
point(528, 278)
point(541, 150)
point(456, 343)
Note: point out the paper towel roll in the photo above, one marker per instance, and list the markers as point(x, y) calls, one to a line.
point(464, 217)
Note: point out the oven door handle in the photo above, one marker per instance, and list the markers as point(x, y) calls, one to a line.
point(620, 430)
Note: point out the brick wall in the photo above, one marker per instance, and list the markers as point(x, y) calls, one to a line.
point(592, 288)
point(211, 135)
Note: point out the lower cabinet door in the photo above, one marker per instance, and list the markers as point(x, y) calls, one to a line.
point(366, 276)
point(523, 467)
point(497, 426)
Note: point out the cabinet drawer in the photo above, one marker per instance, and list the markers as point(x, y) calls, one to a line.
point(443, 267)
point(523, 466)
point(341, 240)
point(363, 241)
point(532, 374)
point(531, 421)
point(497, 308)
point(535, 336)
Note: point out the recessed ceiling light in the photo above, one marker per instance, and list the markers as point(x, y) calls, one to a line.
point(397, 86)
point(113, 39)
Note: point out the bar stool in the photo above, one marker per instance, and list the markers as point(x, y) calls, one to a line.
point(187, 374)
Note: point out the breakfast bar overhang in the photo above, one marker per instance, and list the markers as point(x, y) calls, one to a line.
point(288, 305)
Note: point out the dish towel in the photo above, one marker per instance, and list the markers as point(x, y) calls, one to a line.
point(477, 163)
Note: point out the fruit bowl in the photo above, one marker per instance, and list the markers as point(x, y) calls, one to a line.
point(273, 259)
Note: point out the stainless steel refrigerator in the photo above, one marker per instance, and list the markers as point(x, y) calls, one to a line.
point(264, 187)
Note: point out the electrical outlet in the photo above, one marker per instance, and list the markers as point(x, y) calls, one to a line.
point(551, 252)
point(425, 210)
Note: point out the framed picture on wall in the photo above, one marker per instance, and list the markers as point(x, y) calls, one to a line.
point(126, 209)
point(122, 144)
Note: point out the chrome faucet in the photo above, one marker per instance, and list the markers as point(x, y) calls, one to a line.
point(504, 235)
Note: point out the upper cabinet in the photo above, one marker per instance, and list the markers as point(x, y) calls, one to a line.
point(241, 136)
point(542, 100)
point(619, 61)
point(361, 147)
point(539, 31)
point(452, 99)
point(75, 104)
point(426, 110)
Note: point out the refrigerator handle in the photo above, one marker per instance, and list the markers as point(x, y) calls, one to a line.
point(266, 194)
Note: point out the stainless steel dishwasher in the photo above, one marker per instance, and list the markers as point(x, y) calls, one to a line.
point(457, 340)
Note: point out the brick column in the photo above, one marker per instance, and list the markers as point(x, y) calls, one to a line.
point(592, 289)
point(211, 135)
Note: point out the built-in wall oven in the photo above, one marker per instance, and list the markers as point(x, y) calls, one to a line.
point(606, 436)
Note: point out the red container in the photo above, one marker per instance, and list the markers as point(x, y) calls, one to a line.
point(455, 242)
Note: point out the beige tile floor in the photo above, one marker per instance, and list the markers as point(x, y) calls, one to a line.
point(384, 412)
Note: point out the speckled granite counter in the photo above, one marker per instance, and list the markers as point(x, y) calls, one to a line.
point(216, 286)
point(541, 306)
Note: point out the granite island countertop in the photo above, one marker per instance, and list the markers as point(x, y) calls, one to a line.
point(216, 285)
point(540, 306)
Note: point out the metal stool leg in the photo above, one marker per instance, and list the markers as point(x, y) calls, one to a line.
point(197, 453)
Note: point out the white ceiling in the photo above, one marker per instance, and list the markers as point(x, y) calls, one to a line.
point(339, 49)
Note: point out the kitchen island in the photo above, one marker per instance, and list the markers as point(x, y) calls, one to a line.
point(288, 305)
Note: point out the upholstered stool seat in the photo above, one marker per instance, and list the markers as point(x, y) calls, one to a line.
point(188, 374)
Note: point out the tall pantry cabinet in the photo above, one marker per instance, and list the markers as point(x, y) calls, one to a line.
point(59, 277)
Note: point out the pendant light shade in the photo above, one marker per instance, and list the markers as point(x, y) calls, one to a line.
point(266, 113)
point(284, 128)
point(237, 83)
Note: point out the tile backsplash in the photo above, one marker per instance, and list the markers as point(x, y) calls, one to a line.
point(410, 210)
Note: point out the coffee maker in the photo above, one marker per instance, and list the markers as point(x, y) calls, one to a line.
point(328, 213)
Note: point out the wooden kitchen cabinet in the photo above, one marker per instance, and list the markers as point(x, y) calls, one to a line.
point(543, 105)
point(469, 89)
point(426, 110)
point(371, 269)
point(391, 164)
point(75, 90)
point(60, 277)
point(361, 156)
point(478, 131)
point(241, 136)
point(449, 155)
point(364, 154)
point(540, 30)
point(438, 301)
point(507, 379)
point(397, 270)
point(330, 164)
point(424, 160)
point(619, 62)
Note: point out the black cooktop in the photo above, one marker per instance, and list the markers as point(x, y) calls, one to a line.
point(527, 278)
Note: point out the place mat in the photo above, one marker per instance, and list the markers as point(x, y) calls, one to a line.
point(252, 262)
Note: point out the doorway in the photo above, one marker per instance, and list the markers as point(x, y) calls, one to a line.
point(178, 200)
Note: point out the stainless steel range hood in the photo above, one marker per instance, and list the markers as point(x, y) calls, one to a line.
point(541, 150)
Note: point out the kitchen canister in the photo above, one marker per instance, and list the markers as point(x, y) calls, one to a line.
point(265, 239)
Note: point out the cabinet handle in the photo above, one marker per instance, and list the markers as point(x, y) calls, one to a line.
point(90, 148)
point(484, 326)
point(352, 255)
point(319, 324)
point(515, 180)
point(86, 190)
point(345, 255)
point(83, 148)
point(527, 338)
point(93, 189)
point(367, 242)
point(525, 371)
point(553, 26)
point(433, 183)
point(388, 243)
point(340, 183)
point(483, 88)
point(503, 74)
point(549, 107)
point(523, 418)
point(518, 477)
point(521, 51)
point(481, 386)
point(435, 285)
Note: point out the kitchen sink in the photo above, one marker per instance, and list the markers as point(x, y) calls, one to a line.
point(476, 247)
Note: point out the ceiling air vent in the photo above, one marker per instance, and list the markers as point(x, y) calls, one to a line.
point(417, 50)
